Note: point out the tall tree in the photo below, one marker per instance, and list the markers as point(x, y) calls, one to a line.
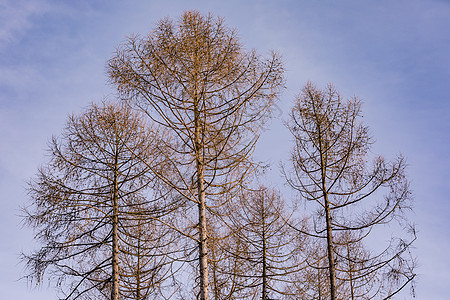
point(86, 202)
point(329, 167)
point(311, 281)
point(193, 78)
point(265, 228)
point(225, 269)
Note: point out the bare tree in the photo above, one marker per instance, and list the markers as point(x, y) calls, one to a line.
point(263, 226)
point(355, 278)
point(311, 281)
point(329, 167)
point(147, 252)
point(225, 269)
point(86, 202)
point(193, 78)
point(254, 250)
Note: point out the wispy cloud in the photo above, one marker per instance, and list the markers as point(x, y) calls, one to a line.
point(16, 17)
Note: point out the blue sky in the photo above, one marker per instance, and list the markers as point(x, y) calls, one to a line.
point(394, 55)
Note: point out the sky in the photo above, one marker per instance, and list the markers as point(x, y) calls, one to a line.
point(394, 55)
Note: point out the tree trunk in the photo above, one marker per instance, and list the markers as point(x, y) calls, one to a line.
point(331, 262)
point(264, 270)
point(115, 244)
point(203, 235)
point(350, 270)
point(212, 253)
point(138, 271)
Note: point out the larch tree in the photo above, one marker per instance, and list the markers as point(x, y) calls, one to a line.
point(194, 79)
point(353, 279)
point(148, 251)
point(311, 281)
point(268, 244)
point(225, 269)
point(94, 208)
point(330, 168)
